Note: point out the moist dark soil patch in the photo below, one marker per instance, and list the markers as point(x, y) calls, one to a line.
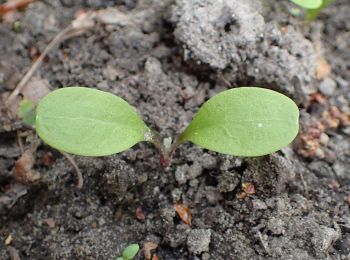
point(172, 57)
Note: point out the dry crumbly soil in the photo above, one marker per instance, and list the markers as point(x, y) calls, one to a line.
point(166, 60)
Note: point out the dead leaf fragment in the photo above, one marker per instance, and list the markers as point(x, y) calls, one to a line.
point(343, 118)
point(8, 240)
point(139, 214)
point(13, 5)
point(242, 195)
point(47, 159)
point(22, 171)
point(147, 250)
point(317, 97)
point(329, 120)
point(50, 222)
point(184, 213)
point(310, 140)
point(323, 69)
point(248, 188)
point(313, 139)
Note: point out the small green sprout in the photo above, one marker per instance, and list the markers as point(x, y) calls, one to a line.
point(311, 14)
point(130, 252)
point(308, 4)
point(26, 111)
point(246, 121)
point(312, 7)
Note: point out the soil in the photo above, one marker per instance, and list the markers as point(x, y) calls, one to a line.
point(166, 61)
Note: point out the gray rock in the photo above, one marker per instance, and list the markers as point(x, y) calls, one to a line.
point(327, 86)
point(198, 240)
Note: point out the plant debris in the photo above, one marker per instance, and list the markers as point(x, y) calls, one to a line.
point(184, 213)
point(23, 170)
point(12, 5)
point(148, 247)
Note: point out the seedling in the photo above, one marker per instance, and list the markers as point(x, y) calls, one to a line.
point(26, 111)
point(312, 7)
point(308, 4)
point(130, 252)
point(246, 121)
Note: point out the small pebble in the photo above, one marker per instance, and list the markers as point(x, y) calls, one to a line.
point(327, 86)
point(324, 139)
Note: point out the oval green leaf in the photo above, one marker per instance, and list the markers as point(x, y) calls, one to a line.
point(131, 251)
point(88, 122)
point(245, 121)
point(308, 4)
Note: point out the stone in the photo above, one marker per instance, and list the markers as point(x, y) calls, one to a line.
point(327, 86)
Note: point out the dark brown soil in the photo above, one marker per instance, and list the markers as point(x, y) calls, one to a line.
point(166, 63)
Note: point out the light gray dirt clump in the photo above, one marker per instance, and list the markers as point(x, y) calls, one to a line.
point(213, 30)
point(233, 36)
point(198, 240)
